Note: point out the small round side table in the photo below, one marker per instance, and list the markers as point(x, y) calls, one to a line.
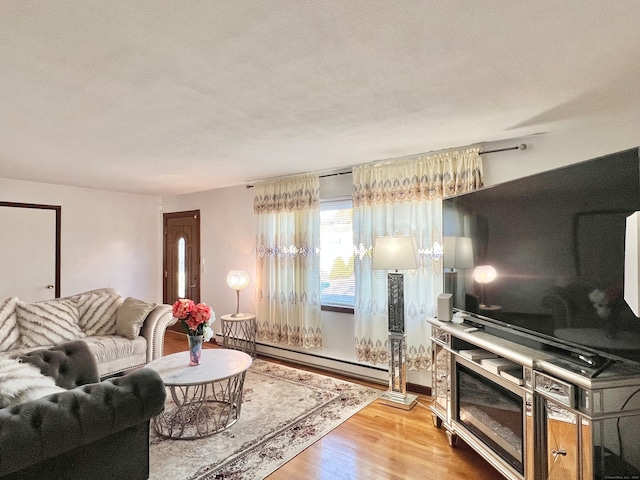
point(239, 333)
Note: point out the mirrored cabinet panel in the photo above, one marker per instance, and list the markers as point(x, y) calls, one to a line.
point(532, 414)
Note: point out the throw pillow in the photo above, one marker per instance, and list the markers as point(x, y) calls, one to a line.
point(48, 323)
point(97, 312)
point(131, 315)
point(9, 333)
point(22, 382)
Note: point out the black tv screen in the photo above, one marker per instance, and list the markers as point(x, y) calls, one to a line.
point(556, 243)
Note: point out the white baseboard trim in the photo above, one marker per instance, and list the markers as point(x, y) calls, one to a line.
point(363, 372)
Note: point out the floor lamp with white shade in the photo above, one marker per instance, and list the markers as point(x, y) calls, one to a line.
point(396, 253)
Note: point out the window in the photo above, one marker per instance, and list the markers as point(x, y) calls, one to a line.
point(182, 277)
point(336, 254)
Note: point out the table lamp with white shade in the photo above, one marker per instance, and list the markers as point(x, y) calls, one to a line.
point(396, 253)
point(238, 280)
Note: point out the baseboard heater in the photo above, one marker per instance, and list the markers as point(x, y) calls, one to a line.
point(344, 367)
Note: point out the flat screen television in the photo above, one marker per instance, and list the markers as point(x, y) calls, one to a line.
point(556, 242)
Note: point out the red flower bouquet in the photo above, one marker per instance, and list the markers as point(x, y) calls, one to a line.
point(196, 319)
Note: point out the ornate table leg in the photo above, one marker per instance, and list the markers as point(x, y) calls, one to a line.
point(201, 410)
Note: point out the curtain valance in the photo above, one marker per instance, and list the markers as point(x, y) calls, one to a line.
point(425, 177)
point(287, 195)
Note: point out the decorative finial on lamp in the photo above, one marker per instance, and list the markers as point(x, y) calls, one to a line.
point(238, 280)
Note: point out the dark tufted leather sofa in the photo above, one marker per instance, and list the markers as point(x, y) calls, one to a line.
point(94, 430)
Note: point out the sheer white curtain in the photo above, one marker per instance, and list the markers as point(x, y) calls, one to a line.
point(288, 261)
point(404, 197)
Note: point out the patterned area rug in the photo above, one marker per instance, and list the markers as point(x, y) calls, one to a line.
point(284, 410)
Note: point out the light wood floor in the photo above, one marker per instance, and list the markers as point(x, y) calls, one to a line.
point(379, 442)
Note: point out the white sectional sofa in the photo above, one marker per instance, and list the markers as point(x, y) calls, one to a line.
point(122, 333)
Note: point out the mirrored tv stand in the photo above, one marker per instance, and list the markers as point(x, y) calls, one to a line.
point(535, 413)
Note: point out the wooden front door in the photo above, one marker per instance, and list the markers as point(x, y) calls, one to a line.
point(181, 256)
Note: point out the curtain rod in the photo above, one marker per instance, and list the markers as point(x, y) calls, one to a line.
point(334, 174)
point(522, 146)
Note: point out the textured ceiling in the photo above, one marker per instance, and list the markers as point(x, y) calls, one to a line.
point(163, 97)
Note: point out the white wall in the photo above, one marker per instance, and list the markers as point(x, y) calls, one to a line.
point(227, 242)
point(548, 151)
point(108, 239)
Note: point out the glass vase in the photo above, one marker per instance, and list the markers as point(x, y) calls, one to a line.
point(195, 349)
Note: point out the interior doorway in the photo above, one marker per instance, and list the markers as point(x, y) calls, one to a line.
point(30, 251)
point(181, 257)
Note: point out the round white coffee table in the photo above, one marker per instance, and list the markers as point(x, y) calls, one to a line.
point(207, 398)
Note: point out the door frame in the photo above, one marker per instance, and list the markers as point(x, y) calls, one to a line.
point(58, 210)
point(165, 261)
